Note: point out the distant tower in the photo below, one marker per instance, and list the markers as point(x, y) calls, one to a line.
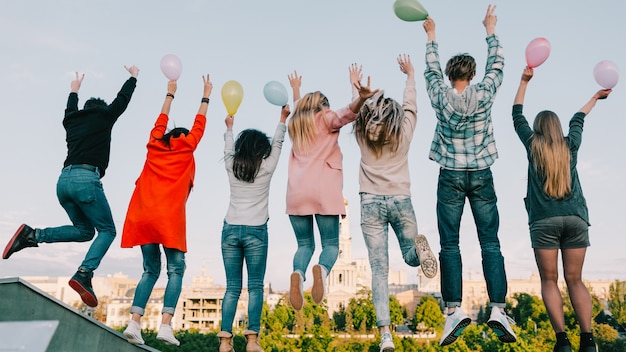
point(348, 275)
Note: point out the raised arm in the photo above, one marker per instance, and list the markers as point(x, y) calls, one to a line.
point(208, 88)
point(521, 90)
point(284, 113)
point(490, 20)
point(365, 92)
point(171, 90)
point(601, 94)
point(295, 81)
point(72, 100)
point(356, 74)
point(429, 28)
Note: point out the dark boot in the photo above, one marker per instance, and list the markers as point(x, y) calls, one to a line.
point(81, 283)
point(24, 237)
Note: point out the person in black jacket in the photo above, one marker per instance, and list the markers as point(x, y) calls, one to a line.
point(79, 189)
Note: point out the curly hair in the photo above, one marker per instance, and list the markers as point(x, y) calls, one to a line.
point(379, 123)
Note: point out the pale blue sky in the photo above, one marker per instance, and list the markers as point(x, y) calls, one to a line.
point(45, 42)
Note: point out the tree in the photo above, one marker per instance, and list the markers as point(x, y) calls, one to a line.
point(361, 311)
point(429, 313)
point(617, 301)
point(396, 311)
point(339, 317)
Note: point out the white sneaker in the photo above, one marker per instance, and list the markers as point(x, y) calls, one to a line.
point(500, 323)
point(454, 326)
point(296, 295)
point(386, 343)
point(428, 262)
point(167, 335)
point(133, 333)
point(318, 291)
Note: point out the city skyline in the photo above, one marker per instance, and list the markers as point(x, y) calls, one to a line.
point(258, 42)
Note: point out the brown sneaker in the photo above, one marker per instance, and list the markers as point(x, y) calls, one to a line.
point(24, 237)
point(428, 262)
point(296, 295)
point(319, 283)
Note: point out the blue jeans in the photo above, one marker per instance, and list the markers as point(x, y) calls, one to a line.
point(452, 189)
point(328, 226)
point(151, 271)
point(241, 242)
point(81, 194)
point(377, 212)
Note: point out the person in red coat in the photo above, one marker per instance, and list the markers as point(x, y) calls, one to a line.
point(156, 214)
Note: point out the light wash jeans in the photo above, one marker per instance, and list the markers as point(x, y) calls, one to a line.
point(81, 194)
point(328, 226)
point(239, 243)
point(151, 271)
point(452, 189)
point(377, 212)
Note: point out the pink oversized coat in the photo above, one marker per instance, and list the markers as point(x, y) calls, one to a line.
point(315, 179)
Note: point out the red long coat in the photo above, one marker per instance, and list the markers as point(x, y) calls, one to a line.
point(156, 213)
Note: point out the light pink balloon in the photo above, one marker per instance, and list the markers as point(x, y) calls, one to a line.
point(537, 52)
point(171, 67)
point(606, 74)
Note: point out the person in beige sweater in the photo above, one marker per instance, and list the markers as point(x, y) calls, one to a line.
point(384, 130)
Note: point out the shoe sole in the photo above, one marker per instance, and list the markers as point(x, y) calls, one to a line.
point(428, 262)
point(132, 338)
point(317, 291)
point(388, 349)
point(456, 332)
point(295, 294)
point(168, 342)
point(503, 334)
point(7, 249)
point(85, 295)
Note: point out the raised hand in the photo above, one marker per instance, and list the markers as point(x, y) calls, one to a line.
point(75, 85)
point(356, 73)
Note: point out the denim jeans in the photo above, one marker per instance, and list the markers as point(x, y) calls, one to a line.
point(452, 189)
point(241, 242)
point(151, 271)
point(377, 212)
point(81, 194)
point(328, 226)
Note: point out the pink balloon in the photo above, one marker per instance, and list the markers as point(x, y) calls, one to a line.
point(537, 52)
point(606, 74)
point(171, 67)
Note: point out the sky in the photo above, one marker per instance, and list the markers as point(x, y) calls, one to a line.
point(43, 44)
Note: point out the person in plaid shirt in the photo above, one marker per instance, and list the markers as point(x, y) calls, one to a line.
point(465, 149)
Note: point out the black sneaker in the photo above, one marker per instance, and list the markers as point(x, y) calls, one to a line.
point(24, 237)
point(81, 283)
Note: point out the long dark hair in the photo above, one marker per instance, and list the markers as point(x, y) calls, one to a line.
point(175, 133)
point(251, 147)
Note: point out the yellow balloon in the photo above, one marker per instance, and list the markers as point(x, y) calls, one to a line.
point(232, 95)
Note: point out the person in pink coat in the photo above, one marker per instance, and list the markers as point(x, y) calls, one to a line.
point(315, 182)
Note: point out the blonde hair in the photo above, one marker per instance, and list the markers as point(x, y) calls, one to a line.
point(301, 128)
point(551, 155)
point(379, 123)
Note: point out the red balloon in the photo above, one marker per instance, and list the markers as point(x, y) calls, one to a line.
point(537, 52)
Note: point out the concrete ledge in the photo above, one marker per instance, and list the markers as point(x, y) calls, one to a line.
point(22, 302)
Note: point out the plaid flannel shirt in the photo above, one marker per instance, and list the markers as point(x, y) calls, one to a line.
point(464, 142)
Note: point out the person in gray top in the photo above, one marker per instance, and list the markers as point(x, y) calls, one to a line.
point(250, 163)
